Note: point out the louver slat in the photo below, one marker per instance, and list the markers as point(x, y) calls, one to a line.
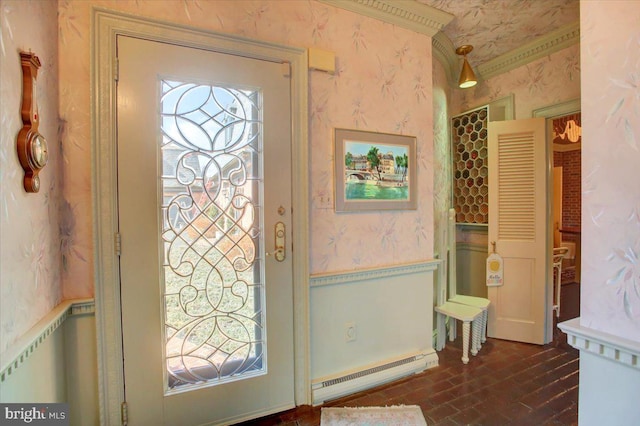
point(516, 190)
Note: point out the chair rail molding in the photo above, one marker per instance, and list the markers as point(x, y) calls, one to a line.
point(21, 350)
point(333, 278)
point(617, 349)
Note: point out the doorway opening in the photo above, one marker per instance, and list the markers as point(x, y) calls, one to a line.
point(567, 201)
point(472, 249)
point(564, 145)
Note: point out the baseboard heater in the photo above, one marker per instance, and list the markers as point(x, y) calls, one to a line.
point(328, 388)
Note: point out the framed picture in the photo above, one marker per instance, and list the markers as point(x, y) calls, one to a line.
point(374, 171)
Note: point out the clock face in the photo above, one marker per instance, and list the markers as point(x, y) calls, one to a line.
point(39, 153)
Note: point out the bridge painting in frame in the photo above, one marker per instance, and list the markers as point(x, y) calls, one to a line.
point(374, 171)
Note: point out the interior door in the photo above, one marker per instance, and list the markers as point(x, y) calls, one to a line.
point(518, 214)
point(204, 213)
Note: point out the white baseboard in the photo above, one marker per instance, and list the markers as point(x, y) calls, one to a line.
point(327, 388)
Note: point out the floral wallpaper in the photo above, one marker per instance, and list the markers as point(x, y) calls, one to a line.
point(382, 83)
point(442, 173)
point(610, 157)
point(385, 81)
point(544, 82)
point(29, 243)
point(495, 27)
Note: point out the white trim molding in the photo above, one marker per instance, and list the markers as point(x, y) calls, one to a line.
point(553, 42)
point(445, 52)
point(617, 349)
point(561, 109)
point(558, 110)
point(346, 277)
point(349, 382)
point(424, 19)
point(409, 14)
point(20, 351)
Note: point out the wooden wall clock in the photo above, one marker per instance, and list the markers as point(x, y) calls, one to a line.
point(32, 146)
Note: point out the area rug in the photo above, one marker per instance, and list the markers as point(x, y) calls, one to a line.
point(397, 415)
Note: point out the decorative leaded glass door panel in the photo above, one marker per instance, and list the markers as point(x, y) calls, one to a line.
point(203, 190)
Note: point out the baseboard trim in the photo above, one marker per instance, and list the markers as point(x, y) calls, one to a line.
point(328, 388)
point(26, 345)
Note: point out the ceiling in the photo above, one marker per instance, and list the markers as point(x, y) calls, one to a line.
point(505, 34)
point(496, 27)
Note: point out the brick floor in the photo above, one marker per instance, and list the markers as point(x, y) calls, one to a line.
point(507, 383)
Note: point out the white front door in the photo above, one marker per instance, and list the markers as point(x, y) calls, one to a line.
point(204, 197)
point(518, 217)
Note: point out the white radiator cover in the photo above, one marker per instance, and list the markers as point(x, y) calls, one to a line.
point(328, 388)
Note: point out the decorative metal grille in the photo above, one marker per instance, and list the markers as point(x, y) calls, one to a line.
point(213, 275)
point(470, 155)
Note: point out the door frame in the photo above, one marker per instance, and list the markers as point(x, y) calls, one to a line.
point(106, 26)
point(549, 113)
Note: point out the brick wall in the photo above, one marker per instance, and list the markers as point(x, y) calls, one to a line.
point(571, 186)
point(571, 199)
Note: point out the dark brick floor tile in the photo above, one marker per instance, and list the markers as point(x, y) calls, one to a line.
point(445, 422)
point(438, 387)
point(517, 411)
point(467, 416)
point(507, 383)
point(439, 413)
point(419, 398)
point(561, 402)
point(492, 418)
point(538, 416)
point(569, 416)
point(311, 419)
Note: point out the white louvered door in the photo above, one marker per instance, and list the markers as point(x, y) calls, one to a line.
point(518, 226)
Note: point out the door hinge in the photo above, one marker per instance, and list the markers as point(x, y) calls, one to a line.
point(116, 69)
point(118, 244)
point(124, 415)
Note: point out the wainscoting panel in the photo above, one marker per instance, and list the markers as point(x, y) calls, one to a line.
point(609, 375)
point(471, 269)
point(55, 361)
point(369, 327)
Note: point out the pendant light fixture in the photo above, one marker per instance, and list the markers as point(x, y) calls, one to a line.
point(467, 77)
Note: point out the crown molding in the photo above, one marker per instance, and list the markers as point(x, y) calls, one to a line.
point(408, 14)
point(444, 51)
point(423, 19)
point(555, 41)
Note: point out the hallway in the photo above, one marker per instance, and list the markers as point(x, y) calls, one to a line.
point(507, 383)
